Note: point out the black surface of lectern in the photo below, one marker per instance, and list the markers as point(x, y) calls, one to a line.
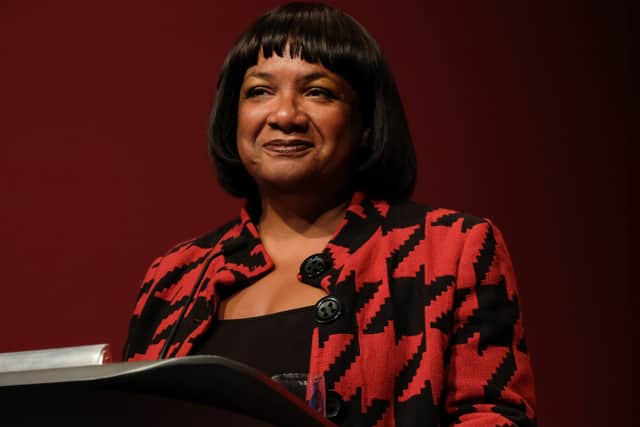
point(187, 391)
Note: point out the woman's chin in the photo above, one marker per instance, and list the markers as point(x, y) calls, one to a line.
point(290, 183)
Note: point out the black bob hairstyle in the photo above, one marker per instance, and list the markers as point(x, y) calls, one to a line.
point(319, 34)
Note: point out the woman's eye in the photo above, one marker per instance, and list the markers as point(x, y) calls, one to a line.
point(321, 92)
point(255, 91)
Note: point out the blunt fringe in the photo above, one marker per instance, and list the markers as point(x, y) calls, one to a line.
point(319, 34)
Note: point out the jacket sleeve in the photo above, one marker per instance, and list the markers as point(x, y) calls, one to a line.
point(133, 341)
point(489, 379)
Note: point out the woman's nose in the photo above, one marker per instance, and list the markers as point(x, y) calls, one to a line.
point(287, 115)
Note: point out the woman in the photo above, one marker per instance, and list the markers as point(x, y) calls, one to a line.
point(409, 313)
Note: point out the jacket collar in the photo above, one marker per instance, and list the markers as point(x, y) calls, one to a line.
point(246, 256)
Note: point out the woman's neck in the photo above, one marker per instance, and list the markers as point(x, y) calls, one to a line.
point(294, 216)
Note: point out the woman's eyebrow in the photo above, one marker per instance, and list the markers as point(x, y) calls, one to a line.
point(300, 80)
point(313, 76)
point(259, 75)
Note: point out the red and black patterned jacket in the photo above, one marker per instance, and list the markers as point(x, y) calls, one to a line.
point(430, 331)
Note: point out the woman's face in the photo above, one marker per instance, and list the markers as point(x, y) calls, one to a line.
point(298, 126)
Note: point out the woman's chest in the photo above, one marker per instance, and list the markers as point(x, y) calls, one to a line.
point(278, 291)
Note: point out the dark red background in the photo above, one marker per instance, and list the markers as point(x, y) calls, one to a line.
point(519, 113)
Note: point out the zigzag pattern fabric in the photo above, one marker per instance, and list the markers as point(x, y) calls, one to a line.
point(430, 331)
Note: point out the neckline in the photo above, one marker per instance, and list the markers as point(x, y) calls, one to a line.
point(281, 313)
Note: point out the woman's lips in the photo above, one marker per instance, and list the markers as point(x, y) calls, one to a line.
point(287, 147)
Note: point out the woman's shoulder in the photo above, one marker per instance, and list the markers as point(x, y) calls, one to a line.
point(450, 241)
point(410, 226)
point(199, 246)
point(405, 213)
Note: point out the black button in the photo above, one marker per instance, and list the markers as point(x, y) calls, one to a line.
point(314, 266)
point(334, 405)
point(328, 309)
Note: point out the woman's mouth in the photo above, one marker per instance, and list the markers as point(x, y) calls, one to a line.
point(287, 147)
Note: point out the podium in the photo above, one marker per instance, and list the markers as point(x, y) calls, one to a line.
point(187, 391)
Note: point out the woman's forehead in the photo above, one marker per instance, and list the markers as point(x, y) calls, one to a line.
point(286, 66)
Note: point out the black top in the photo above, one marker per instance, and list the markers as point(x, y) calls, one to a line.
point(275, 343)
